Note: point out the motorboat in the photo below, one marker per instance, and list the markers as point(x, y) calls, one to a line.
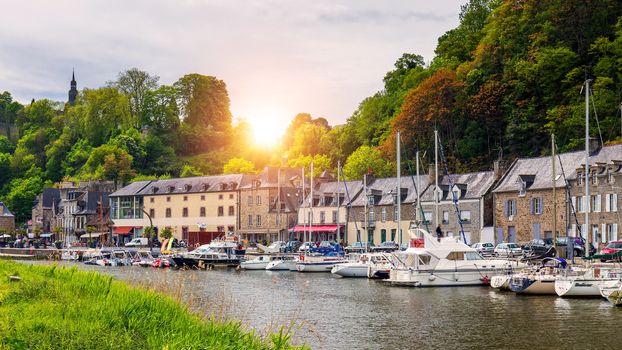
point(282, 263)
point(447, 262)
point(360, 266)
point(274, 247)
point(586, 284)
point(71, 255)
point(380, 267)
point(258, 263)
point(217, 253)
point(321, 258)
point(142, 258)
point(539, 280)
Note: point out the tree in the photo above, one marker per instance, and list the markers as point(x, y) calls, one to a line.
point(307, 140)
point(22, 193)
point(136, 85)
point(189, 171)
point(103, 113)
point(5, 168)
point(239, 166)
point(320, 162)
point(204, 101)
point(159, 109)
point(108, 162)
point(166, 233)
point(366, 159)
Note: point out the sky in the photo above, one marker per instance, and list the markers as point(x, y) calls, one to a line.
point(277, 57)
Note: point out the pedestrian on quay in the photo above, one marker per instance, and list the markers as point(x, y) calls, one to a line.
point(439, 233)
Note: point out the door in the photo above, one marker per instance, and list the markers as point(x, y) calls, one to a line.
point(370, 236)
point(536, 231)
point(512, 234)
point(499, 235)
point(383, 235)
point(393, 231)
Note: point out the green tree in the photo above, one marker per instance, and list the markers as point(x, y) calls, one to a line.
point(166, 233)
point(103, 113)
point(159, 110)
point(308, 140)
point(6, 146)
point(203, 101)
point(189, 171)
point(22, 193)
point(5, 169)
point(108, 162)
point(366, 159)
point(239, 166)
point(136, 85)
point(320, 162)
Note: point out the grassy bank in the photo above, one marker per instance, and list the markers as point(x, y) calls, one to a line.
point(62, 308)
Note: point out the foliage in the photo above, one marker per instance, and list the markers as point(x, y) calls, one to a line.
point(239, 166)
point(166, 233)
point(320, 163)
point(367, 159)
point(54, 307)
point(136, 85)
point(21, 195)
point(189, 170)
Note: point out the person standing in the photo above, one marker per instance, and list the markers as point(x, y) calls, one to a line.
point(439, 233)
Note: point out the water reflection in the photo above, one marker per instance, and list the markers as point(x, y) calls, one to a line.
point(365, 314)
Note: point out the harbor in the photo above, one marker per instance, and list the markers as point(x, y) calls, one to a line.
point(360, 313)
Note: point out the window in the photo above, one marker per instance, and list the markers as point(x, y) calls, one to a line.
point(202, 197)
point(221, 211)
point(446, 217)
point(395, 213)
point(371, 215)
point(202, 212)
point(595, 203)
point(322, 217)
point(151, 200)
point(609, 176)
point(184, 233)
point(370, 200)
point(383, 215)
point(250, 201)
point(334, 216)
point(611, 202)
point(522, 188)
point(594, 179)
point(427, 217)
point(168, 198)
point(580, 179)
point(231, 197)
point(510, 207)
point(152, 213)
point(580, 204)
point(185, 198)
point(231, 210)
point(536, 206)
point(258, 221)
point(250, 220)
point(258, 200)
point(465, 215)
point(220, 228)
point(220, 196)
point(168, 212)
point(612, 232)
point(595, 233)
point(322, 201)
point(229, 228)
point(184, 212)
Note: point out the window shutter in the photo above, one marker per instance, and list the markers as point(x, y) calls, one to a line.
point(573, 200)
point(531, 205)
point(505, 209)
point(541, 204)
point(514, 209)
point(615, 232)
point(599, 202)
point(614, 206)
point(607, 202)
point(584, 232)
point(603, 234)
point(573, 230)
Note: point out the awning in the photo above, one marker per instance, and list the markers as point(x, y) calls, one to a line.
point(122, 230)
point(46, 235)
point(92, 235)
point(317, 228)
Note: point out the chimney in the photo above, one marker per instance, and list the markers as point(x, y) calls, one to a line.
point(369, 177)
point(431, 174)
point(498, 167)
point(594, 145)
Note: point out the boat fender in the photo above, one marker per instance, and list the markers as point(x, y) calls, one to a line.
point(302, 258)
point(431, 277)
point(485, 280)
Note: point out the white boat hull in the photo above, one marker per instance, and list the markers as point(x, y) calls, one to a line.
point(281, 265)
point(252, 265)
point(578, 287)
point(350, 270)
point(413, 278)
point(539, 286)
point(501, 282)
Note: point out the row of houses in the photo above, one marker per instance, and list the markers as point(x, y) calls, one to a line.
point(517, 202)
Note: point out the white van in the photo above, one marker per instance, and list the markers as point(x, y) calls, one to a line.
point(138, 242)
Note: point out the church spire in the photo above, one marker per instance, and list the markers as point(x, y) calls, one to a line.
point(73, 91)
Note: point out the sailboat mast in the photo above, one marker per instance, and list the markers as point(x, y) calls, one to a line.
point(304, 221)
point(338, 197)
point(436, 178)
point(587, 167)
point(418, 208)
point(311, 206)
point(399, 189)
point(554, 192)
point(365, 207)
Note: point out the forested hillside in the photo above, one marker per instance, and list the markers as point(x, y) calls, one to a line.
point(506, 78)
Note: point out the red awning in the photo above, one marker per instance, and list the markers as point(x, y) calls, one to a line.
point(317, 228)
point(122, 230)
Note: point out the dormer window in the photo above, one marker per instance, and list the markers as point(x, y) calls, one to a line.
point(609, 176)
point(322, 201)
point(370, 200)
point(522, 188)
point(594, 178)
point(233, 185)
point(188, 187)
point(256, 183)
point(579, 178)
point(154, 189)
point(205, 187)
point(223, 187)
point(171, 189)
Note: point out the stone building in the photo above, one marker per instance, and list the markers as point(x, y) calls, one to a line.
point(374, 212)
point(328, 217)
point(7, 219)
point(43, 215)
point(605, 187)
point(475, 203)
point(269, 204)
point(524, 201)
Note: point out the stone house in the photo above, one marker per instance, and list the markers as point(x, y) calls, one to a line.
point(475, 203)
point(328, 217)
point(7, 219)
point(605, 188)
point(374, 211)
point(43, 216)
point(269, 204)
point(524, 200)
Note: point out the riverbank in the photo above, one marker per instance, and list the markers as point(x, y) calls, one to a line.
point(62, 308)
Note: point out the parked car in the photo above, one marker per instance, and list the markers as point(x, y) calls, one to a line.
point(138, 242)
point(387, 246)
point(577, 242)
point(484, 248)
point(612, 247)
point(538, 248)
point(508, 250)
point(359, 247)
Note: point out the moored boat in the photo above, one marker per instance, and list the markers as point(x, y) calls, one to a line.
point(258, 263)
point(540, 280)
point(282, 263)
point(586, 284)
point(360, 266)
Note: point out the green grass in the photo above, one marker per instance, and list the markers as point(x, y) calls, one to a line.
point(62, 308)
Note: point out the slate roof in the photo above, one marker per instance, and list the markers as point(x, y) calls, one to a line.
point(384, 187)
point(49, 197)
point(90, 200)
point(542, 171)
point(472, 185)
point(606, 155)
point(269, 177)
point(131, 189)
point(4, 210)
point(198, 184)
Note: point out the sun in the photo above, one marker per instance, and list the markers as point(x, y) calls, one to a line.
point(267, 127)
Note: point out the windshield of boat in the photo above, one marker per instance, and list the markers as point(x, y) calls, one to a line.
point(472, 256)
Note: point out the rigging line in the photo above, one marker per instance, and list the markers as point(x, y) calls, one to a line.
point(412, 177)
point(600, 134)
point(572, 209)
point(349, 208)
point(451, 185)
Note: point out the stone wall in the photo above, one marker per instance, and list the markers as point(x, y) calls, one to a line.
point(471, 228)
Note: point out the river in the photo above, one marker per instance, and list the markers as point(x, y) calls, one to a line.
point(338, 313)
